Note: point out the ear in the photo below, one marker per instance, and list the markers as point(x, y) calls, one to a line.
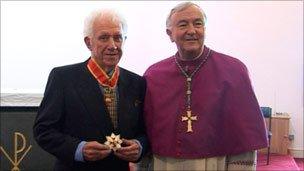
point(169, 33)
point(87, 41)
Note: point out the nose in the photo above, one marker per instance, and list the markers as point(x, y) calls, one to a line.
point(112, 45)
point(191, 29)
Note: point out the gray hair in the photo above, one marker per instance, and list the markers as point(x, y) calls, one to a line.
point(181, 7)
point(103, 14)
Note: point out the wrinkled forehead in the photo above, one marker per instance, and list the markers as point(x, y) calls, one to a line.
point(103, 23)
point(186, 13)
point(190, 11)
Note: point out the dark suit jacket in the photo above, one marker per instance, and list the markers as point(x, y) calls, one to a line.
point(73, 110)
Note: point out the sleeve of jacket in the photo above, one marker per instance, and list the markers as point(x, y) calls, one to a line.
point(49, 123)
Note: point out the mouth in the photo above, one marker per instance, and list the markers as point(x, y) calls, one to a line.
point(112, 54)
point(191, 39)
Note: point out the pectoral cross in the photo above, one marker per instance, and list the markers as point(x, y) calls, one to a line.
point(189, 76)
point(189, 118)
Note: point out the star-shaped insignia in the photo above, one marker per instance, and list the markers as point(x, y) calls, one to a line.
point(113, 141)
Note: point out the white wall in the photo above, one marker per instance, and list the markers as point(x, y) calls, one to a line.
point(266, 36)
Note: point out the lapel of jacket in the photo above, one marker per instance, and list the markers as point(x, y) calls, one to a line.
point(123, 88)
point(90, 93)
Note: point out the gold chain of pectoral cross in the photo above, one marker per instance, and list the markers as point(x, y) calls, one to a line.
point(188, 116)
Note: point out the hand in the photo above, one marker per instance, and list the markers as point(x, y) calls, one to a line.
point(129, 151)
point(93, 151)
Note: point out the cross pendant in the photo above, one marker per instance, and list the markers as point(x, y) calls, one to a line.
point(189, 118)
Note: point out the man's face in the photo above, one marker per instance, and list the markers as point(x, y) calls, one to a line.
point(187, 31)
point(106, 43)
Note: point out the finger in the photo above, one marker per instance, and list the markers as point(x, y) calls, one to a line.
point(120, 155)
point(96, 145)
point(90, 155)
point(132, 147)
point(93, 151)
point(104, 153)
point(127, 151)
point(90, 152)
point(126, 157)
point(127, 142)
point(93, 155)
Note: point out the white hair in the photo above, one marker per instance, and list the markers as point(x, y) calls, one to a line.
point(181, 7)
point(103, 14)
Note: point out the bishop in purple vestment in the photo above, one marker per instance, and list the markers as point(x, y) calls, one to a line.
point(200, 103)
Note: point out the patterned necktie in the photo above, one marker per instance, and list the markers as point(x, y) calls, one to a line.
point(111, 103)
point(108, 85)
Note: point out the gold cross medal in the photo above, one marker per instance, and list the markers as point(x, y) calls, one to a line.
point(113, 141)
point(189, 118)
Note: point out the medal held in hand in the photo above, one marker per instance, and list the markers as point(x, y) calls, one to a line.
point(113, 141)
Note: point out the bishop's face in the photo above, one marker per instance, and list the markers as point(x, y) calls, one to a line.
point(187, 30)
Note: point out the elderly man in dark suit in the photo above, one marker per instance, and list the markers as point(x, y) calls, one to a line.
point(90, 117)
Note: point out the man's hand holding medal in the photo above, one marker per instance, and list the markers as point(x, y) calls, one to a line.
point(124, 149)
